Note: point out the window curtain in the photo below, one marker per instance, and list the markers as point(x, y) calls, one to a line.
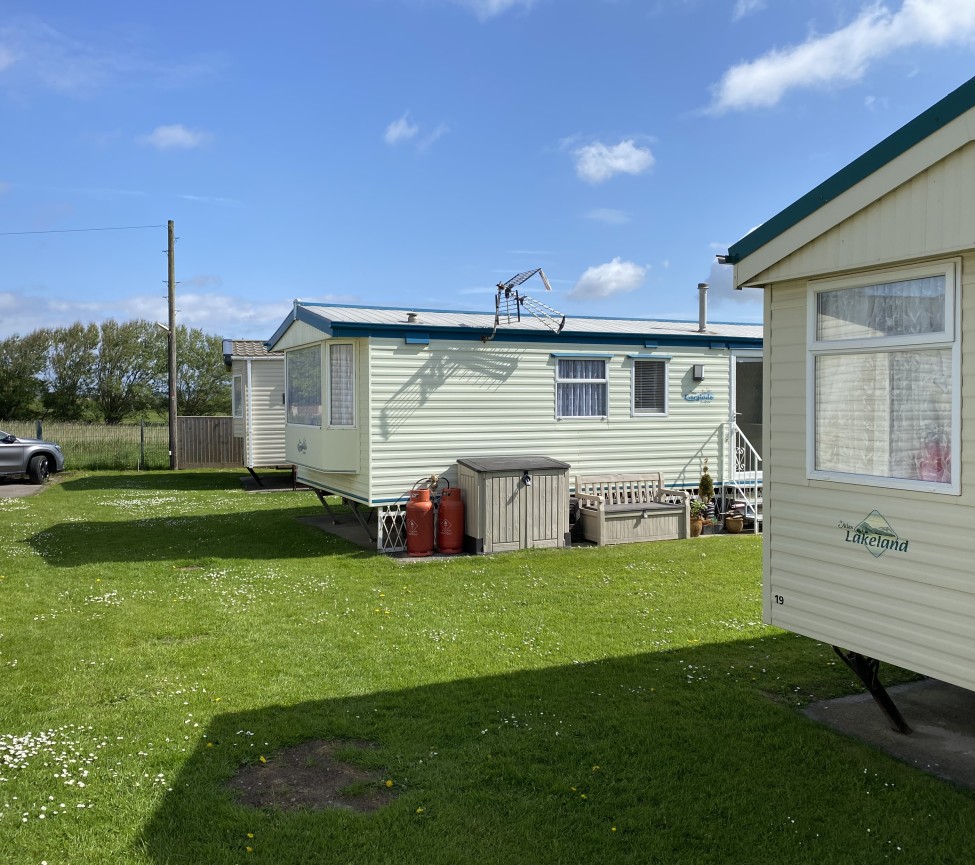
point(582, 388)
point(886, 414)
point(341, 378)
point(906, 308)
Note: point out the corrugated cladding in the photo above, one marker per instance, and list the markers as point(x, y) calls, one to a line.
point(913, 608)
point(433, 404)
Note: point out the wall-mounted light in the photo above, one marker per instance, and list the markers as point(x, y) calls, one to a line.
point(526, 478)
point(697, 372)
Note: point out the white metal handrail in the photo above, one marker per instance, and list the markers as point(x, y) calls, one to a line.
point(745, 477)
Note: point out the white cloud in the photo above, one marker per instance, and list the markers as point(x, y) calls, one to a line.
point(725, 303)
point(429, 139)
point(606, 280)
point(175, 137)
point(609, 216)
point(746, 7)
point(7, 58)
point(35, 54)
point(598, 162)
point(401, 130)
point(844, 56)
point(210, 199)
point(220, 314)
point(485, 9)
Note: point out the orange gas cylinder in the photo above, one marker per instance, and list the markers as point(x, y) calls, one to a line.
point(450, 522)
point(419, 524)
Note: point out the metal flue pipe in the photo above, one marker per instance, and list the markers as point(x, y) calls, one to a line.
point(702, 307)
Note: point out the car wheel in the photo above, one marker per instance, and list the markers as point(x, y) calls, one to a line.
point(38, 469)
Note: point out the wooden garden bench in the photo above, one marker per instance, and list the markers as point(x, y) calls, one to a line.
point(624, 508)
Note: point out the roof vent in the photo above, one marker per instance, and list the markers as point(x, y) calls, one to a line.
point(411, 317)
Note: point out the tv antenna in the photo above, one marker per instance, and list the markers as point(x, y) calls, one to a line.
point(509, 303)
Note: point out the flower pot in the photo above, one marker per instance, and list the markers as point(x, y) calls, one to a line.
point(734, 524)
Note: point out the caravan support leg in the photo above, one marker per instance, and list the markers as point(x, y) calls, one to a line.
point(260, 483)
point(353, 506)
point(866, 670)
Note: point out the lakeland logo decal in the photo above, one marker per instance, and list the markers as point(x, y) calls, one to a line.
point(876, 534)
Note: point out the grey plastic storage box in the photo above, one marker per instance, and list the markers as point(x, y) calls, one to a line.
point(514, 503)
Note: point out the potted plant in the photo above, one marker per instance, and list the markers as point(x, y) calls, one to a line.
point(699, 508)
point(702, 511)
point(705, 488)
point(734, 522)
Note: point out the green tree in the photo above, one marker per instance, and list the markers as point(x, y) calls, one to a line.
point(202, 377)
point(22, 361)
point(70, 377)
point(131, 360)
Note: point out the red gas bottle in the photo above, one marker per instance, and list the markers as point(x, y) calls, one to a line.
point(419, 524)
point(450, 522)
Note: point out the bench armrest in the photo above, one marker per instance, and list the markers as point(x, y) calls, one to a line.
point(588, 500)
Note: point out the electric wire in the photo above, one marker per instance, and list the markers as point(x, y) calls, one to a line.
point(75, 230)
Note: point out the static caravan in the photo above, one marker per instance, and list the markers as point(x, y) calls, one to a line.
point(257, 402)
point(870, 383)
point(380, 398)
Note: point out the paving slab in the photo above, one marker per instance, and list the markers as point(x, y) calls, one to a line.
point(17, 490)
point(941, 717)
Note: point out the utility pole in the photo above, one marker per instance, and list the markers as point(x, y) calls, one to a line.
point(171, 338)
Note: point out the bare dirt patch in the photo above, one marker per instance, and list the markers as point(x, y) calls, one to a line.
point(311, 776)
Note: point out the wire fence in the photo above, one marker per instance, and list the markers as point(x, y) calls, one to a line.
point(120, 447)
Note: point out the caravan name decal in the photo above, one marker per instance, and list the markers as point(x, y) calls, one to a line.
point(707, 396)
point(876, 534)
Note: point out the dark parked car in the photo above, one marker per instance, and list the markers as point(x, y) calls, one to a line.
point(32, 457)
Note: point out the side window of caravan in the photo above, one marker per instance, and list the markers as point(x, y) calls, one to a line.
point(884, 396)
point(237, 396)
point(341, 385)
point(304, 381)
point(649, 387)
point(581, 387)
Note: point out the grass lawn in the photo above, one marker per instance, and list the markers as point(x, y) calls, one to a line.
point(620, 705)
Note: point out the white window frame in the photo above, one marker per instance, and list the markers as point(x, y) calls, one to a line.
point(949, 339)
point(352, 385)
point(604, 381)
point(287, 385)
point(237, 395)
point(649, 358)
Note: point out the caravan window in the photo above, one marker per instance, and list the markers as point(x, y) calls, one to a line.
point(581, 387)
point(884, 371)
point(304, 374)
point(341, 385)
point(237, 396)
point(649, 387)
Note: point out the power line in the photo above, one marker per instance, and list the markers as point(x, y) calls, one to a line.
point(73, 230)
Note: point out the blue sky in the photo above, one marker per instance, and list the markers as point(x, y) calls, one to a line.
point(416, 152)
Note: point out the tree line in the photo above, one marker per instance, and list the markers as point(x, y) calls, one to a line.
point(110, 372)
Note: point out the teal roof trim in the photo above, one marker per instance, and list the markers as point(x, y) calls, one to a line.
point(937, 116)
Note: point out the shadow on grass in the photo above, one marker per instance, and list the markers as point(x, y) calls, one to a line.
point(259, 534)
point(183, 480)
point(663, 758)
